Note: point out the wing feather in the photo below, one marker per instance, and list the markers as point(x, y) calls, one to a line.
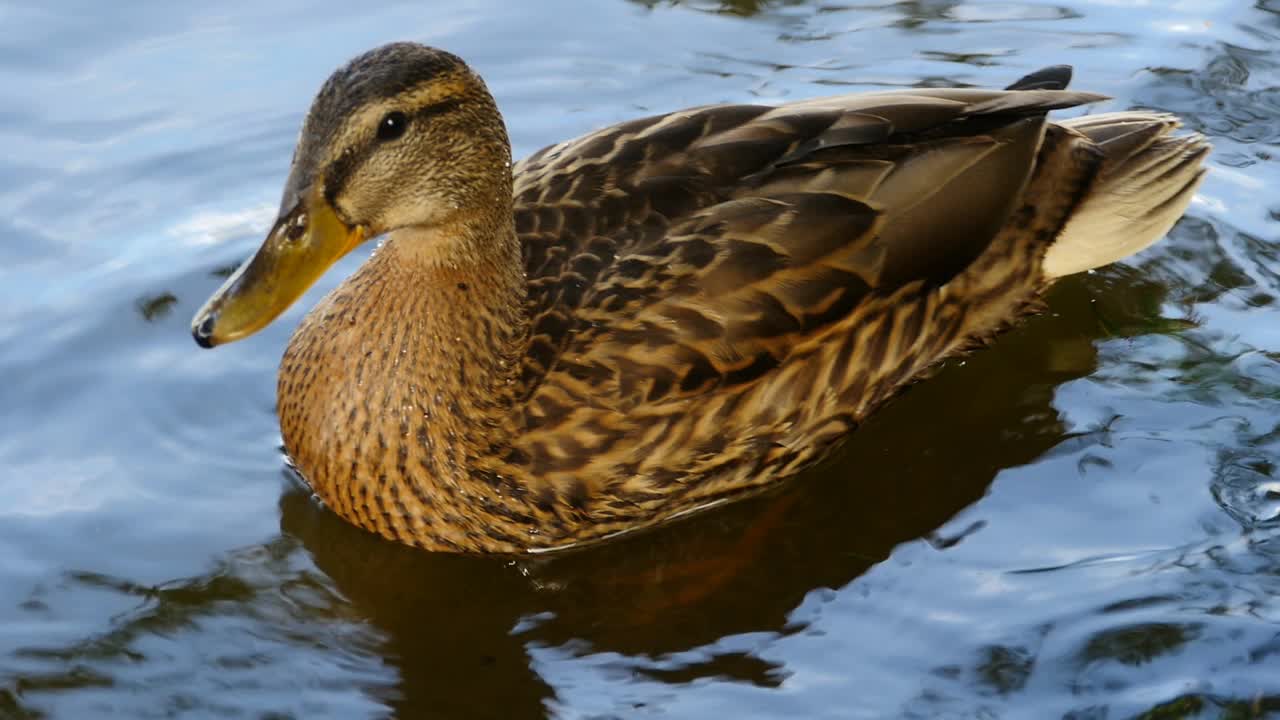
point(675, 254)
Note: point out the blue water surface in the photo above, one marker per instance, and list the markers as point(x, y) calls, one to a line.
point(1079, 522)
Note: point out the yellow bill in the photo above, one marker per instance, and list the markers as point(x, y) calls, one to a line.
point(304, 243)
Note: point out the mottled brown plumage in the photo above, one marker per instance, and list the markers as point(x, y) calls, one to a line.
point(675, 311)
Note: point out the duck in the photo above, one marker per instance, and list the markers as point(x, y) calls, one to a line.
point(667, 314)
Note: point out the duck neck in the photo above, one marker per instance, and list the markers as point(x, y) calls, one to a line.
point(398, 380)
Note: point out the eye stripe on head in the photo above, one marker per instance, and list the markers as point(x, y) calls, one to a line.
point(439, 108)
point(392, 126)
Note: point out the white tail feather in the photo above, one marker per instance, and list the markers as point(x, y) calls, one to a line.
point(1147, 179)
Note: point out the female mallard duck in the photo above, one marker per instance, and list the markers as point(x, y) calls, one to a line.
point(661, 315)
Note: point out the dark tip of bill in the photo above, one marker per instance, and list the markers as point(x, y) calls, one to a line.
point(203, 333)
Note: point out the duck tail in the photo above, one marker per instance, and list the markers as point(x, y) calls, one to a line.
point(1145, 182)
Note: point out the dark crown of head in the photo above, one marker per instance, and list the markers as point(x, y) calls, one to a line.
point(385, 72)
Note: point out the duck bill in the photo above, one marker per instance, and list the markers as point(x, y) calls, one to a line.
point(304, 243)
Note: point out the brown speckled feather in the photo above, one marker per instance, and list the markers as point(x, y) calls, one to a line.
point(727, 290)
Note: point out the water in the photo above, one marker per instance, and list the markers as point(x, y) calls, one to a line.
point(1081, 522)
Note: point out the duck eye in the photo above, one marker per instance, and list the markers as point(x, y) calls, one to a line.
point(392, 125)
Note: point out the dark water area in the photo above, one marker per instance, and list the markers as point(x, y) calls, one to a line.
point(1082, 521)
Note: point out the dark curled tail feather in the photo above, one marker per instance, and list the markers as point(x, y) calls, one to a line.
point(1054, 77)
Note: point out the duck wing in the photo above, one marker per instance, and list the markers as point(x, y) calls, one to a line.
point(677, 254)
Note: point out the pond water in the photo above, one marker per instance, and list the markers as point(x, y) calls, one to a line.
point(1080, 522)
